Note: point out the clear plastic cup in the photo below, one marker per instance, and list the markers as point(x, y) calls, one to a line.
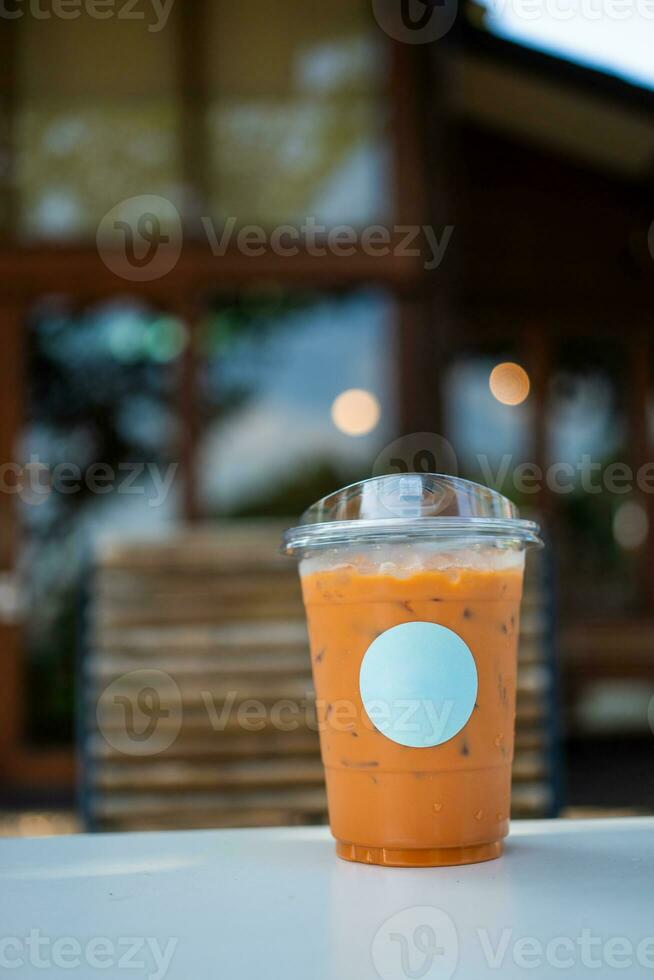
point(412, 587)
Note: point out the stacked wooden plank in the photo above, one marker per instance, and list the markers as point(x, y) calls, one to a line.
point(535, 768)
point(207, 628)
point(219, 611)
point(608, 655)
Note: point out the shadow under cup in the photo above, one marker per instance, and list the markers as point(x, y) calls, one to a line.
point(413, 626)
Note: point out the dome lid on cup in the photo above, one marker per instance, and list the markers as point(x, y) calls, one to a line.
point(410, 506)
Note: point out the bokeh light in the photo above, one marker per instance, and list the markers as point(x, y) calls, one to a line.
point(509, 383)
point(356, 412)
point(166, 339)
point(630, 525)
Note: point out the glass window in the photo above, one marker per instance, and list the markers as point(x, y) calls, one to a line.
point(274, 436)
point(295, 121)
point(97, 120)
point(99, 448)
point(601, 529)
point(488, 423)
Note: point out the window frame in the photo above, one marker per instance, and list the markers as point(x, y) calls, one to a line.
point(77, 271)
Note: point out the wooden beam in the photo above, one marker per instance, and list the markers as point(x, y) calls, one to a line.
point(19, 766)
point(27, 273)
point(8, 210)
point(536, 345)
point(419, 179)
point(11, 667)
point(193, 50)
point(639, 374)
point(12, 386)
point(43, 771)
point(417, 371)
point(407, 134)
point(189, 410)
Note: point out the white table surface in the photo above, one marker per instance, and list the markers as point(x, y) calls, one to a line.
point(278, 905)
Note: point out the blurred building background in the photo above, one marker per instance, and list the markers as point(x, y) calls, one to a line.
point(253, 382)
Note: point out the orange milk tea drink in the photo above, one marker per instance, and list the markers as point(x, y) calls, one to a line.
point(412, 587)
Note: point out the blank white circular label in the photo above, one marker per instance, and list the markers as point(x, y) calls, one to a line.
point(418, 684)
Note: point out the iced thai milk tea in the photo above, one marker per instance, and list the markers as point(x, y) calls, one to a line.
point(414, 656)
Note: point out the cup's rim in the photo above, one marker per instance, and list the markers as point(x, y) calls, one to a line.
point(463, 530)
